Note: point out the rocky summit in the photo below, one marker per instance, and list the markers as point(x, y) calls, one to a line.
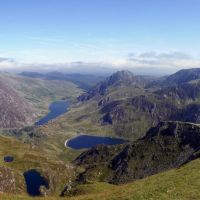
point(120, 78)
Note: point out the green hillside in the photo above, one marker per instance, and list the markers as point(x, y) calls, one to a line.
point(176, 184)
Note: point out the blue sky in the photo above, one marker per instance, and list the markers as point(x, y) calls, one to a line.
point(115, 32)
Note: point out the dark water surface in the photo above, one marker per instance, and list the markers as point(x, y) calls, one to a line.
point(34, 181)
point(87, 141)
point(8, 158)
point(57, 108)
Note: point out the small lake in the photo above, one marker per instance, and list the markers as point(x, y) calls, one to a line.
point(87, 141)
point(34, 181)
point(8, 158)
point(57, 108)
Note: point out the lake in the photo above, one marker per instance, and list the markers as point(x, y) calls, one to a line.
point(57, 108)
point(34, 181)
point(87, 141)
point(8, 158)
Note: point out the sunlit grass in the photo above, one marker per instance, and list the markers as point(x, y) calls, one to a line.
point(176, 184)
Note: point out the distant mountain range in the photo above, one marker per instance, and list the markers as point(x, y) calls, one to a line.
point(84, 81)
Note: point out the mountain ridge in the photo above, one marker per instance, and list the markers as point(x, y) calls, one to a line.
point(166, 146)
point(120, 78)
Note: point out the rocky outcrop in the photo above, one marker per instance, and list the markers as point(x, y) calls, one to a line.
point(14, 110)
point(185, 92)
point(99, 154)
point(166, 146)
point(189, 113)
point(120, 78)
point(169, 145)
point(11, 181)
point(133, 117)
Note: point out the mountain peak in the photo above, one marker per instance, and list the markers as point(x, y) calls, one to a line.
point(121, 78)
point(124, 76)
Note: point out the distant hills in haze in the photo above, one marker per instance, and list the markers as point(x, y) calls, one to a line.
point(84, 81)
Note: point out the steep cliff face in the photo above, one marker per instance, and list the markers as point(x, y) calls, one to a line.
point(168, 145)
point(14, 110)
point(185, 92)
point(24, 100)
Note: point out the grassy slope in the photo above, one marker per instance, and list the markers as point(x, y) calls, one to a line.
point(182, 183)
point(27, 156)
point(176, 184)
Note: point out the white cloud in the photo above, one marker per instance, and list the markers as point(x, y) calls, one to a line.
point(166, 55)
point(7, 63)
point(163, 61)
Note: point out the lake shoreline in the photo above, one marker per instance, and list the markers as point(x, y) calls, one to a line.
point(56, 109)
point(84, 141)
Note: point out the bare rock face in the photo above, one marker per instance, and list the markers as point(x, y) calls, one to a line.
point(14, 110)
point(10, 181)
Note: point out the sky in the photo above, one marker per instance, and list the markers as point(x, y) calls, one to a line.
point(162, 34)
